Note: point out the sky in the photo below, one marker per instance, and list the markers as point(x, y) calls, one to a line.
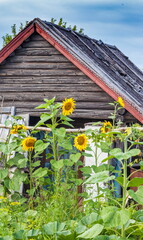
point(116, 22)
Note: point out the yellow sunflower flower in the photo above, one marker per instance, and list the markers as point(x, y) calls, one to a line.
point(121, 102)
point(128, 130)
point(16, 128)
point(3, 198)
point(28, 143)
point(81, 142)
point(106, 127)
point(68, 106)
point(14, 203)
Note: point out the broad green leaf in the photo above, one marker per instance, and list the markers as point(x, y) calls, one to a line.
point(33, 233)
point(57, 164)
point(40, 172)
point(6, 238)
point(3, 173)
point(135, 182)
point(21, 235)
point(86, 170)
point(31, 213)
point(138, 195)
point(1, 190)
point(92, 232)
point(66, 235)
point(53, 227)
point(93, 217)
point(60, 132)
point(114, 217)
point(99, 177)
point(80, 228)
point(103, 167)
point(40, 146)
point(138, 215)
point(119, 180)
point(105, 147)
point(131, 153)
point(75, 157)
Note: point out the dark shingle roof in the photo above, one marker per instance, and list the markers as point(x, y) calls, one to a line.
point(107, 61)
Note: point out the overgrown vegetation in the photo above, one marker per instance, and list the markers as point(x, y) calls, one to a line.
point(52, 208)
point(16, 29)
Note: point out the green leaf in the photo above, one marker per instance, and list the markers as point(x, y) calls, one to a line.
point(119, 180)
point(75, 157)
point(86, 170)
point(3, 173)
point(138, 215)
point(21, 235)
point(117, 153)
point(57, 164)
point(138, 195)
point(33, 233)
point(60, 132)
point(80, 228)
point(99, 177)
point(40, 146)
point(6, 238)
point(131, 153)
point(40, 172)
point(92, 232)
point(53, 227)
point(105, 147)
point(93, 217)
point(31, 213)
point(135, 182)
point(114, 217)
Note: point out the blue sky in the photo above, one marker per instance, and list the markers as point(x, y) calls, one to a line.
point(116, 22)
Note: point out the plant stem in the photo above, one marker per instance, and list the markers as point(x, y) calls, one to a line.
point(30, 179)
point(124, 185)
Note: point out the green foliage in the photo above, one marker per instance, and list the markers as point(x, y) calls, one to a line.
point(50, 209)
point(16, 29)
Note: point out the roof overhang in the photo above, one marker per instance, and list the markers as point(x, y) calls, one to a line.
point(38, 26)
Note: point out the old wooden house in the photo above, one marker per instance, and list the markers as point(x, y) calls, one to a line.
point(45, 60)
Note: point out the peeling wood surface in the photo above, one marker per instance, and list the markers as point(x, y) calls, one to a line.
point(36, 70)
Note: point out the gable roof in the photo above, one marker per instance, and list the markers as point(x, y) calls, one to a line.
point(106, 65)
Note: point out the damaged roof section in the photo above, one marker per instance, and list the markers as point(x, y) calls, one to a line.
point(107, 61)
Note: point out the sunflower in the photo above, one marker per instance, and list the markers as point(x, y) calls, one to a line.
point(16, 128)
point(68, 106)
point(106, 127)
point(28, 143)
point(81, 142)
point(121, 102)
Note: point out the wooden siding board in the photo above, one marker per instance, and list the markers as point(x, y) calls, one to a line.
point(46, 72)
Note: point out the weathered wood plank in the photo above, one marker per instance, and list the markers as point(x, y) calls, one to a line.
point(81, 96)
point(36, 44)
point(42, 72)
point(53, 58)
point(36, 37)
point(79, 105)
point(36, 51)
point(39, 65)
point(49, 88)
point(88, 114)
point(48, 79)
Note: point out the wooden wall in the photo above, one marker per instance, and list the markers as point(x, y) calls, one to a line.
point(36, 70)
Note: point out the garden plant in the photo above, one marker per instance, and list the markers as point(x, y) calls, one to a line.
point(52, 207)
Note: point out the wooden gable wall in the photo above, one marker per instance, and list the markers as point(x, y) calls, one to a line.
point(36, 70)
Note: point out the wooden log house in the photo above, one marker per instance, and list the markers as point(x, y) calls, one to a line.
point(46, 60)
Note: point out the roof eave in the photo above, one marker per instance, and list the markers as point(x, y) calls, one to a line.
point(16, 42)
